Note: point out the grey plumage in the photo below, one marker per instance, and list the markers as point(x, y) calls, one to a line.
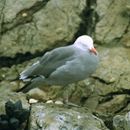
point(63, 65)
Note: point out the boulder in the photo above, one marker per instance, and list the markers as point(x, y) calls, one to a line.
point(51, 116)
point(36, 25)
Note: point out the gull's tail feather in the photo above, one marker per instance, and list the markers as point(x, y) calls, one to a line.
point(36, 82)
point(29, 71)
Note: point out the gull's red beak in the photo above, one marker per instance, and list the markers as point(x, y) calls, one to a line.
point(93, 50)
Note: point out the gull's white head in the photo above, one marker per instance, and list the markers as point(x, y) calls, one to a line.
point(85, 42)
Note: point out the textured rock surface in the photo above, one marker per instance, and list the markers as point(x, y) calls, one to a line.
point(44, 116)
point(113, 79)
point(121, 122)
point(113, 20)
point(15, 116)
point(10, 96)
point(37, 25)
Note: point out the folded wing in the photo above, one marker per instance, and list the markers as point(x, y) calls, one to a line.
point(49, 62)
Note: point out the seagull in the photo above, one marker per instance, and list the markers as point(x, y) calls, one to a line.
point(63, 65)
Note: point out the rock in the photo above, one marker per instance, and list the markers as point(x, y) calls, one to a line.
point(37, 94)
point(128, 8)
point(3, 122)
point(114, 105)
point(14, 123)
point(112, 22)
point(59, 102)
point(6, 96)
point(32, 101)
point(7, 73)
point(47, 116)
point(15, 116)
point(113, 94)
point(117, 68)
point(102, 7)
point(84, 93)
point(126, 39)
point(49, 101)
point(32, 26)
point(121, 122)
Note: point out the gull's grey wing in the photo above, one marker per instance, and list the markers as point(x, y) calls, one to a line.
point(74, 70)
point(50, 62)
